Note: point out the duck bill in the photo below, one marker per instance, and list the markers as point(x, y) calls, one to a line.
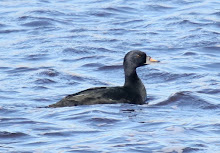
point(150, 60)
point(153, 60)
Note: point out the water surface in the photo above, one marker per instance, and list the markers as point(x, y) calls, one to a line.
point(49, 49)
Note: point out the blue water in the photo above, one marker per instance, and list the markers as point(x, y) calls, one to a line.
point(49, 49)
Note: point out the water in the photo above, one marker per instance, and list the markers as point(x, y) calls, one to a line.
point(49, 49)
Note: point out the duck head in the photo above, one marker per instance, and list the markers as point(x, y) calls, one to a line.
point(136, 58)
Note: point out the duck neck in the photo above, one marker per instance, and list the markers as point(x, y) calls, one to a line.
point(131, 77)
point(134, 84)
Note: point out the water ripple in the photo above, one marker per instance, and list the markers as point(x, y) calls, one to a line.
point(187, 99)
point(5, 135)
point(50, 49)
point(38, 24)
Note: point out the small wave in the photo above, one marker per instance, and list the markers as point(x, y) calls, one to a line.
point(38, 24)
point(193, 149)
point(210, 91)
point(9, 92)
point(75, 77)
point(6, 111)
point(90, 57)
point(47, 12)
point(129, 22)
point(2, 25)
point(111, 67)
point(165, 76)
point(22, 69)
point(213, 66)
point(97, 82)
point(4, 68)
point(216, 13)
point(102, 121)
point(187, 99)
point(189, 54)
point(212, 49)
point(10, 31)
point(6, 98)
point(75, 51)
point(41, 99)
point(80, 29)
point(40, 21)
point(65, 133)
point(117, 30)
point(158, 7)
point(44, 81)
point(120, 9)
point(181, 149)
point(5, 134)
point(40, 88)
point(93, 65)
point(36, 57)
point(68, 133)
point(49, 73)
point(101, 14)
point(103, 50)
point(16, 120)
point(84, 51)
point(187, 23)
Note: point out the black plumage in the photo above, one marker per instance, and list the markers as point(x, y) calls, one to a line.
point(133, 91)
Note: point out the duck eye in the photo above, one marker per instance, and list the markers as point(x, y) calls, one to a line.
point(138, 55)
